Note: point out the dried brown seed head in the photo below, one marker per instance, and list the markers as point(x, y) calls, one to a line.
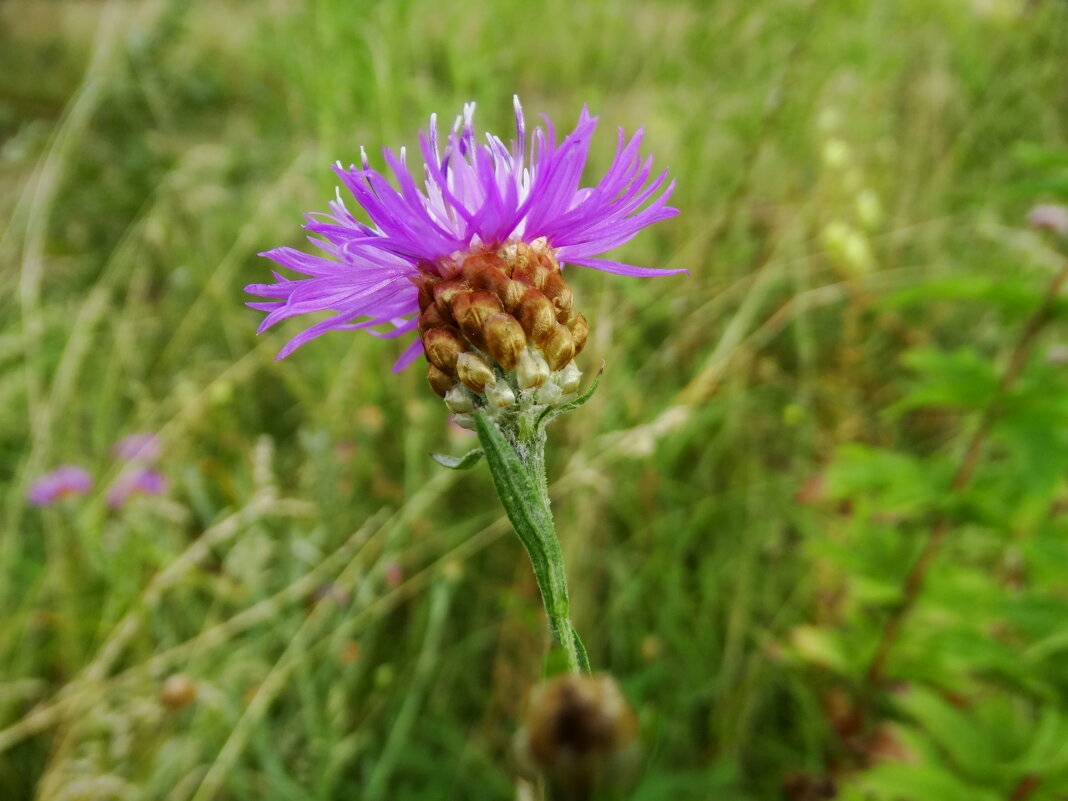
point(580, 733)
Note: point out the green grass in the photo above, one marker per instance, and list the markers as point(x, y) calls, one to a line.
point(148, 156)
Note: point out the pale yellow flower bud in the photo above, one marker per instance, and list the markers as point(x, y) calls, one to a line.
point(474, 372)
point(531, 370)
point(459, 400)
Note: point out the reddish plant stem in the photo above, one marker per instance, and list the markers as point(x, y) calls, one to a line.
point(1027, 787)
point(916, 577)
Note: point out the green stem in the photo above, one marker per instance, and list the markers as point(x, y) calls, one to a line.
point(518, 471)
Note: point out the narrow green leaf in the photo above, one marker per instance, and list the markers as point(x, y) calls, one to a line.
point(554, 411)
point(580, 649)
point(557, 660)
point(465, 462)
point(520, 488)
point(515, 487)
point(530, 517)
point(1013, 299)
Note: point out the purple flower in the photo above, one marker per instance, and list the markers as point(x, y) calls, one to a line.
point(138, 448)
point(135, 482)
point(476, 196)
point(394, 574)
point(61, 482)
point(1049, 217)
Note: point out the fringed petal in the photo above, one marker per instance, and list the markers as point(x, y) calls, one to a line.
point(473, 194)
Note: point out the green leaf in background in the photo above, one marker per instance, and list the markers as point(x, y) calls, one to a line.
point(1014, 299)
point(925, 782)
point(969, 745)
point(1049, 171)
point(824, 647)
point(896, 482)
point(959, 379)
point(991, 741)
point(1040, 157)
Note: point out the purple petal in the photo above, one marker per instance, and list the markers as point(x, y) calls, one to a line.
point(410, 354)
point(64, 481)
point(472, 191)
point(142, 447)
point(619, 268)
point(135, 482)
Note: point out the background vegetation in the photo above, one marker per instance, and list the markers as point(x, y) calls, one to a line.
point(771, 449)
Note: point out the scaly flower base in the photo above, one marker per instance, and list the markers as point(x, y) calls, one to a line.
point(500, 333)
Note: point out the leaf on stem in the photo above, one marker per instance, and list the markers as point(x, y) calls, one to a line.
point(553, 411)
point(465, 462)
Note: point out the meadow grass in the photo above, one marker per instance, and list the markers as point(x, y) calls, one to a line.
point(828, 153)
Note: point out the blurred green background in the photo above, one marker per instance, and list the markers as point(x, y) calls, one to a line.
point(739, 503)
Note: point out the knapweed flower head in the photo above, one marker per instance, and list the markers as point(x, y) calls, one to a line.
point(1049, 217)
point(58, 484)
point(133, 482)
point(472, 259)
point(142, 447)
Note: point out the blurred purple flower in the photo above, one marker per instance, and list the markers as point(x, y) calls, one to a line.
point(61, 482)
point(138, 448)
point(1049, 217)
point(394, 574)
point(135, 482)
point(475, 196)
